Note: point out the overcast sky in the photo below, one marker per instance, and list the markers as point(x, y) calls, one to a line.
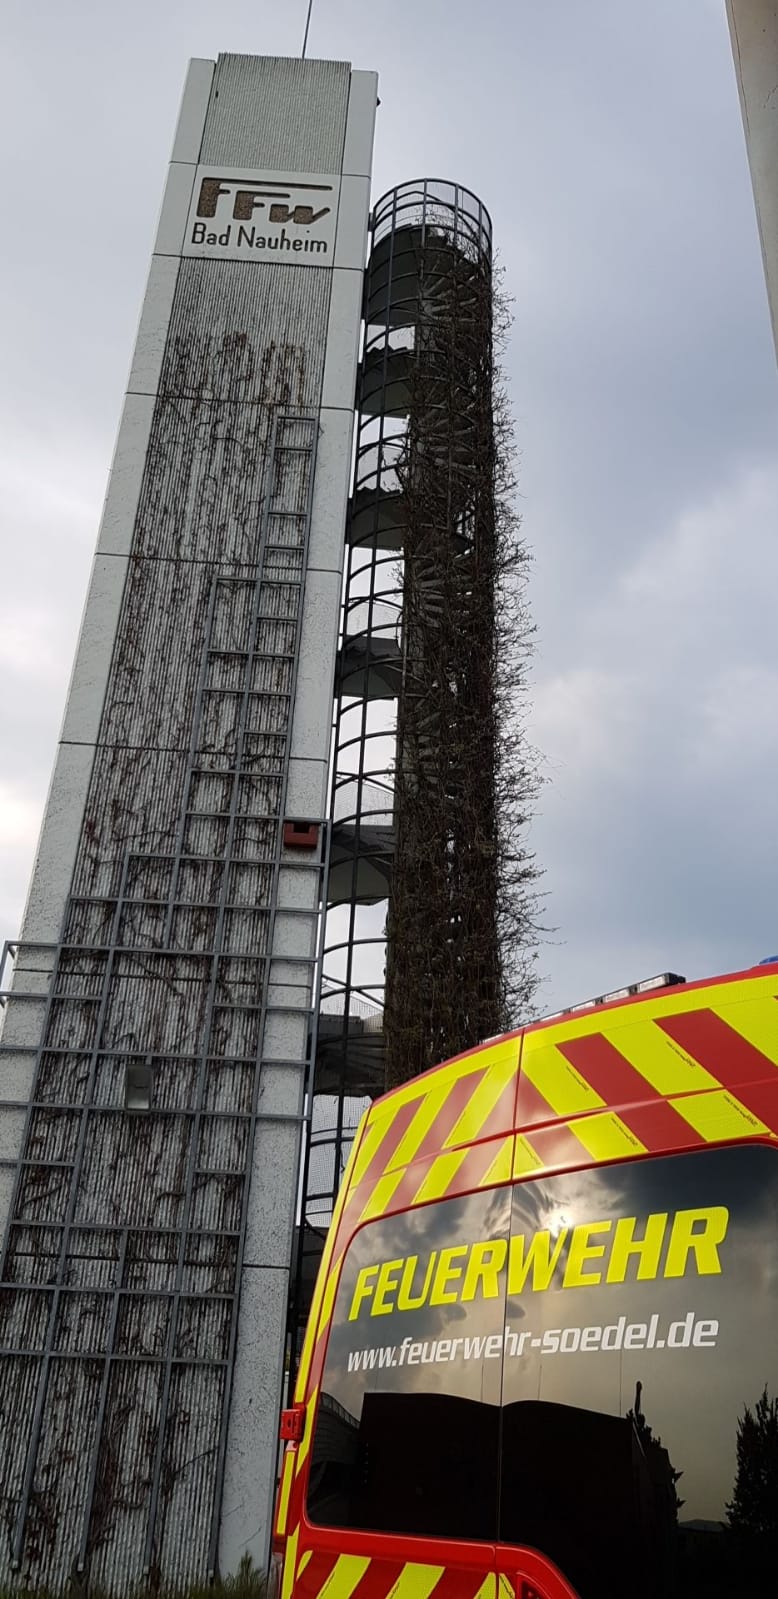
point(605, 137)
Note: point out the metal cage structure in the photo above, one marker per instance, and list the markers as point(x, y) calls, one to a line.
point(419, 233)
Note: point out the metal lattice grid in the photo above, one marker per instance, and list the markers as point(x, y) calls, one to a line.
point(127, 1232)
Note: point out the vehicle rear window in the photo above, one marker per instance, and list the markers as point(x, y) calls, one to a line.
point(584, 1364)
point(408, 1428)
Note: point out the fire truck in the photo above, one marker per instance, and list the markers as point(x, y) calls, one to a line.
point(542, 1354)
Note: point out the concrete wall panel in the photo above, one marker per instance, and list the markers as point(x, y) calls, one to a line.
point(754, 30)
point(351, 241)
point(276, 1156)
point(250, 1476)
point(340, 367)
point(126, 476)
point(58, 845)
point(316, 668)
point(360, 124)
point(95, 649)
point(194, 108)
point(306, 792)
point(276, 112)
point(175, 209)
point(153, 328)
point(330, 495)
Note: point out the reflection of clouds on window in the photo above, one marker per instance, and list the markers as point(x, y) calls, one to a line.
point(691, 1396)
point(576, 1343)
point(422, 1233)
point(584, 1198)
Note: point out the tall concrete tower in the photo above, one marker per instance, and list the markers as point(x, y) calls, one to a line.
point(157, 1034)
point(754, 29)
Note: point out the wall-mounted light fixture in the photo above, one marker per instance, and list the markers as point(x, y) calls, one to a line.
point(138, 1085)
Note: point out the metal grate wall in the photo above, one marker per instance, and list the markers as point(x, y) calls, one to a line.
point(118, 1336)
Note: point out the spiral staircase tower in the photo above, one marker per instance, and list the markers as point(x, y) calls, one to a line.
point(407, 852)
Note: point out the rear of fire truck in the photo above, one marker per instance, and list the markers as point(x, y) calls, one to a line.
point(542, 1357)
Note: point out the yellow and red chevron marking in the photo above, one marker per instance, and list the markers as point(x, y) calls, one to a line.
point(689, 1066)
point(679, 1068)
point(447, 1132)
point(329, 1575)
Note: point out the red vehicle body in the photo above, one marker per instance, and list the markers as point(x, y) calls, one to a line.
point(545, 1318)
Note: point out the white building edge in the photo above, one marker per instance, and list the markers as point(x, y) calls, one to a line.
point(754, 30)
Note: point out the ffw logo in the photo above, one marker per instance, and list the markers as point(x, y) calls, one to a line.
point(251, 215)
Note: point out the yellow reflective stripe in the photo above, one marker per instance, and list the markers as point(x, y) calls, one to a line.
point(757, 1021)
point(666, 1002)
point(488, 1588)
point(500, 1069)
point(718, 1115)
point(305, 1441)
point(439, 1176)
point(412, 1138)
point(525, 1158)
point(381, 1195)
point(666, 1067)
point(324, 1282)
point(301, 1380)
point(304, 1558)
point(563, 1088)
point(501, 1169)
point(290, 1555)
point(416, 1582)
point(328, 1301)
point(606, 1137)
point(507, 1590)
point(284, 1490)
point(346, 1573)
point(374, 1132)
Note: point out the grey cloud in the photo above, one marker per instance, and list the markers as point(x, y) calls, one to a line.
point(607, 142)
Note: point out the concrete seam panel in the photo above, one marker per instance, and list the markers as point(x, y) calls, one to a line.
point(11, 1130)
point(293, 936)
point(754, 32)
point(194, 109)
point(316, 668)
point(353, 213)
point(175, 208)
point(28, 982)
point(17, 1075)
point(126, 476)
point(330, 492)
point(281, 1094)
point(23, 1023)
point(34, 959)
point(360, 124)
point(252, 1444)
point(340, 366)
point(58, 844)
point(92, 665)
point(298, 890)
point(154, 322)
point(270, 1220)
point(306, 789)
point(285, 1037)
point(7, 1180)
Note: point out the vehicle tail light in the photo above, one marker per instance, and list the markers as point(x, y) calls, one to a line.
point(293, 1424)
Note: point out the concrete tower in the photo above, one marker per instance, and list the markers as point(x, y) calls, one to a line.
point(754, 28)
point(157, 1033)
